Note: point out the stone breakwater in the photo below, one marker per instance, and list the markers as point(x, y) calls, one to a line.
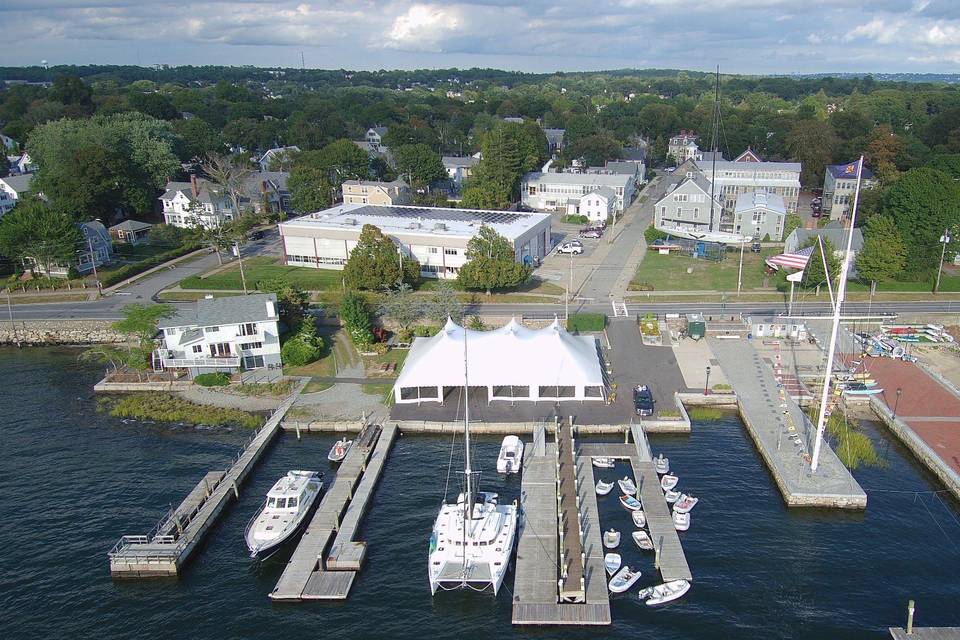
point(43, 332)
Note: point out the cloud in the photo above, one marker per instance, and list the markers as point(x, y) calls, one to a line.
point(424, 28)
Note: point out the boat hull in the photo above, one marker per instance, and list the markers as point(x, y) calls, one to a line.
point(261, 550)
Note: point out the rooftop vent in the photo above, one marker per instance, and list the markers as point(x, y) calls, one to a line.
point(350, 221)
point(440, 227)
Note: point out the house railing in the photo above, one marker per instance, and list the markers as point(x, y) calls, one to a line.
point(167, 360)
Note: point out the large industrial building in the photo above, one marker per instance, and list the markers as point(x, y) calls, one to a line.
point(436, 237)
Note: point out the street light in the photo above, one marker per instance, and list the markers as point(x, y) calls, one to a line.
point(944, 239)
point(706, 385)
point(896, 404)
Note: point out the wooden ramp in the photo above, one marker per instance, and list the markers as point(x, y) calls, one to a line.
point(572, 576)
point(673, 562)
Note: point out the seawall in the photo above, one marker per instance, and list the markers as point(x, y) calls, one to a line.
point(48, 332)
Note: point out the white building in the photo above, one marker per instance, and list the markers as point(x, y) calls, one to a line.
point(683, 146)
point(227, 334)
point(599, 204)
point(735, 177)
point(556, 191)
point(436, 237)
point(196, 203)
point(760, 215)
point(839, 185)
point(20, 164)
point(459, 168)
point(375, 136)
point(278, 158)
point(686, 207)
point(13, 188)
point(94, 249)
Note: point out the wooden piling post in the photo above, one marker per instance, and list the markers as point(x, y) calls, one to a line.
point(910, 610)
point(236, 491)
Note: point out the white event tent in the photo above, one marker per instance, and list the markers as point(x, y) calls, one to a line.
point(513, 362)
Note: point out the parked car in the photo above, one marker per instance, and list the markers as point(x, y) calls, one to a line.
point(574, 248)
point(755, 247)
point(643, 400)
point(591, 232)
point(256, 234)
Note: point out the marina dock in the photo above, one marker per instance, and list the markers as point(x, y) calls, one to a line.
point(572, 579)
point(783, 434)
point(165, 550)
point(926, 633)
point(307, 576)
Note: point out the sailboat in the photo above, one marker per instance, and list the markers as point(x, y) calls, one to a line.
point(472, 539)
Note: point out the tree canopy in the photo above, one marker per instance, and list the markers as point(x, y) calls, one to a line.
point(374, 262)
point(35, 232)
point(491, 263)
point(883, 256)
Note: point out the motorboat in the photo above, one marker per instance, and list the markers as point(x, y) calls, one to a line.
point(623, 580)
point(603, 488)
point(611, 539)
point(671, 495)
point(612, 562)
point(603, 462)
point(511, 455)
point(685, 504)
point(627, 486)
point(681, 521)
point(668, 482)
point(642, 539)
point(860, 389)
point(631, 503)
point(339, 450)
point(666, 592)
point(639, 519)
point(285, 509)
point(661, 465)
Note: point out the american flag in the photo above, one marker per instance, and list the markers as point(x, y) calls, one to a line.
point(796, 260)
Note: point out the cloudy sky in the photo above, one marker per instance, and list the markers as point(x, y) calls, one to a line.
point(745, 36)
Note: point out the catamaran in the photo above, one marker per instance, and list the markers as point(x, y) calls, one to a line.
point(472, 540)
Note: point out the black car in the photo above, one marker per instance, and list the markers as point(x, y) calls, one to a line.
point(643, 400)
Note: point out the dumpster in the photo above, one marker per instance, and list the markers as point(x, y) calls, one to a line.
point(696, 326)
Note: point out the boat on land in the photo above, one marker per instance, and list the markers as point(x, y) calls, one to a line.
point(627, 486)
point(612, 562)
point(860, 389)
point(339, 450)
point(603, 462)
point(681, 521)
point(611, 539)
point(603, 488)
point(671, 496)
point(623, 580)
point(685, 504)
point(666, 592)
point(661, 464)
point(668, 482)
point(631, 503)
point(511, 455)
point(642, 540)
point(639, 519)
point(285, 509)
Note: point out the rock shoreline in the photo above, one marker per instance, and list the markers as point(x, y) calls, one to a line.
point(60, 332)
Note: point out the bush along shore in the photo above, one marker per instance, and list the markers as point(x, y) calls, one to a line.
point(164, 407)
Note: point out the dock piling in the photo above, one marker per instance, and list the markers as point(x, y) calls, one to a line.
point(910, 610)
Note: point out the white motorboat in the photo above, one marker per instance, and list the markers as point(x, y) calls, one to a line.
point(666, 592)
point(639, 519)
point(668, 482)
point(661, 465)
point(612, 562)
point(685, 504)
point(285, 509)
point(627, 486)
point(472, 540)
point(339, 450)
point(603, 488)
point(631, 503)
point(611, 539)
point(642, 539)
point(623, 580)
point(603, 462)
point(681, 521)
point(671, 496)
point(511, 455)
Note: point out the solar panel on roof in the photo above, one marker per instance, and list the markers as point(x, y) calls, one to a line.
point(459, 215)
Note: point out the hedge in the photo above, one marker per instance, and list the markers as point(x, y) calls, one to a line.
point(586, 322)
point(130, 270)
point(216, 379)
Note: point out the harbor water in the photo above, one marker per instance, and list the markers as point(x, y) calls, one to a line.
point(73, 480)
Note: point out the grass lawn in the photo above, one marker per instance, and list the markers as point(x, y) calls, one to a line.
point(139, 252)
point(669, 273)
point(534, 286)
point(325, 367)
point(382, 390)
point(372, 364)
point(265, 268)
point(66, 297)
point(190, 296)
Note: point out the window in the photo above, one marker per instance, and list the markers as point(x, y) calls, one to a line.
point(211, 329)
point(248, 329)
point(198, 348)
point(170, 332)
point(450, 252)
point(431, 250)
point(251, 345)
point(281, 503)
point(253, 362)
point(292, 502)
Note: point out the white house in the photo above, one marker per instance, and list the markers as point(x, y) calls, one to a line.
point(280, 156)
point(375, 136)
point(8, 142)
point(555, 139)
point(460, 167)
point(196, 203)
point(683, 146)
point(226, 334)
point(686, 207)
point(21, 163)
point(557, 191)
point(742, 175)
point(599, 204)
point(13, 188)
point(760, 215)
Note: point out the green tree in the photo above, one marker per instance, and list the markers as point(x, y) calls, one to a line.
point(791, 222)
point(420, 164)
point(596, 149)
point(196, 139)
point(400, 305)
point(491, 263)
point(310, 188)
point(355, 316)
point(813, 275)
point(71, 90)
point(443, 303)
point(302, 348)
point(923, 203)
point(812, 143)
point(374, 262)
point(345, 161)
point(883, 255)
point(36, 233)
point(292, 301)
point(139, 321)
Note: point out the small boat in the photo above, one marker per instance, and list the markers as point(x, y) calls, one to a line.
point(860, 389)
point(511, 455)
point(623, 580)
point(612, 562)
point(339, 450)
point(603, 488)
point(603, 462)
point(639, 519)
point(668, 482)
point(671, 496)
point(681, 521)
point(285, 509)
point(642, 539)
point(631, 503)
point(685, 504)
point(611, 539)
point(661, 464)
point(666, 592)
point(627, 486)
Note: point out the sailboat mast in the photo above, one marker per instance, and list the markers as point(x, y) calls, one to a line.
point(466, 432)
point(841, 290)
point(716, 141)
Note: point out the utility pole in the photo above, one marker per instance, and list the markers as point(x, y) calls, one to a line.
point(740, 272)
point(944, 239)
point(243, 278)
point(93, 261)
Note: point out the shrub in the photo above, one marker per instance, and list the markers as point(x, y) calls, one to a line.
point(651, 234)
point(130, 270)
point(575, 219)
point(586, 322)
point(641, 286)
point(165, 407)
point(303, 348)
point(425, 331)
point(218, 379)
point(405, 336)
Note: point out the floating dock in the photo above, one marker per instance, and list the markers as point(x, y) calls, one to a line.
point(926, 633)
point(573, 587)
point(307, 576)
point(783, 434)
point(165, 550)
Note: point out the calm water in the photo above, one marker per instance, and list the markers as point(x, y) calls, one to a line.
point(73, 480)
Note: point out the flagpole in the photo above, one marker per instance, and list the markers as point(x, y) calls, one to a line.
point(841, 290)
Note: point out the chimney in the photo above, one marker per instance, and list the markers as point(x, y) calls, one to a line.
point(193, 185)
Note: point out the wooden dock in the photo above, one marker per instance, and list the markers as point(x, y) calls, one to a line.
point(926, 633)
point(165, 550)
point(572, 577)
point(307, 576)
